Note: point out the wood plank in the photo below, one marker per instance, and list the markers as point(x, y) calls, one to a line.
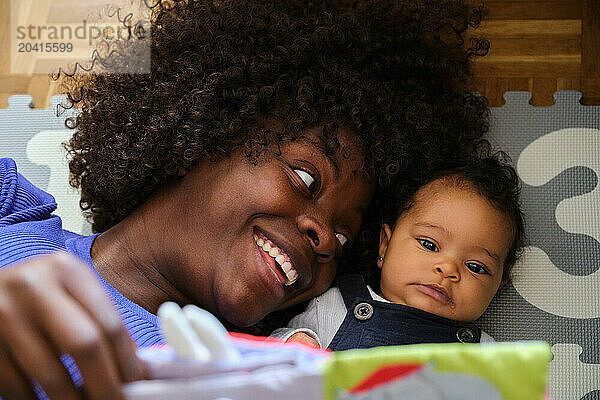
point(494, 91)
point(14, 84)
point(4, 100)
point(550, 9)
point(590, 88)
point(494, 88)
point(528, 66)
point(542, 92)
point(532, 28)
point(41, 88)
point(562, 45)
point(518, 84)
point(4, 37)
point(590, 53)
point(568, 84)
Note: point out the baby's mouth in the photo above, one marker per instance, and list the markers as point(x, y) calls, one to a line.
point(437, 292)
point(280, 258)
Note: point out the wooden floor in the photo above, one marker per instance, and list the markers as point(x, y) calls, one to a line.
point(536, 45)
point(540, 46)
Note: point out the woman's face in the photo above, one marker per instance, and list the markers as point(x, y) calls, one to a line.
point(248, 239)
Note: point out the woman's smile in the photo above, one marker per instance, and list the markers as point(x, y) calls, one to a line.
point(268, 274)
point(276, 258)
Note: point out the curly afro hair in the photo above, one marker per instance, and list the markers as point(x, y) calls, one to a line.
point(396, 72)
point(392, 71)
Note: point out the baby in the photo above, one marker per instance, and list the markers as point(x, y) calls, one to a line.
point(451, 247)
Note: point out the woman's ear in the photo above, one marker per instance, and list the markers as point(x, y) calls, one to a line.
point(385, 234)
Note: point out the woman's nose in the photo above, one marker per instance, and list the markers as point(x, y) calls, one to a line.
point(321, 238)
point(448, 269)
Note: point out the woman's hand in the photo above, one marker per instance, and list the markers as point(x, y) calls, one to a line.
point(54, 305)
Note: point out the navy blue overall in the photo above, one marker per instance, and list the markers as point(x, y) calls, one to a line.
point(371, 323)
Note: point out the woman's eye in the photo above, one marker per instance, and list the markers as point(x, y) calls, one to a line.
point(343, 239)
point(478, 269)
point(306, 178)
point(428, 244)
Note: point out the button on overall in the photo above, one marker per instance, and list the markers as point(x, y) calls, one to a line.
point(465, 335)
point(363, 311)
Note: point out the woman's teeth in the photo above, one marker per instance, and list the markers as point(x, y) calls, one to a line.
point(280, 259)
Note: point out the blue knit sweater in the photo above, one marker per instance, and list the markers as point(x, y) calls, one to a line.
point(28, 229)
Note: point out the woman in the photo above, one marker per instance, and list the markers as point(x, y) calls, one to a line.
point(234, 175)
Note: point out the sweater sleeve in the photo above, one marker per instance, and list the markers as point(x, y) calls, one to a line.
point(27, 225)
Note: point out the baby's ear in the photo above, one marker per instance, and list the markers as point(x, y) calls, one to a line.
point(385, 234)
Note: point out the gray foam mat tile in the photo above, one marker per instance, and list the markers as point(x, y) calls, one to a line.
point(555, 295)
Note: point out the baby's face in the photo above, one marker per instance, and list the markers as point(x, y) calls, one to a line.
point(446, 253)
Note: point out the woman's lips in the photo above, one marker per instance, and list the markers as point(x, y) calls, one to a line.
point(271, 278)
point(438, 293)
point(278, 260)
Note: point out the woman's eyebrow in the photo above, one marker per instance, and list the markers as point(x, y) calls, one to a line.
point(332, 161)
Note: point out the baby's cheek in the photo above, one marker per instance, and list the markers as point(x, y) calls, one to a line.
point(485, 297)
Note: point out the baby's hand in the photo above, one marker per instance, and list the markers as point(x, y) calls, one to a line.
point(305, 339)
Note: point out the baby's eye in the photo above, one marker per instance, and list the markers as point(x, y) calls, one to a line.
point(428, 244)
point(307, 178)
point(343, 239)
point(478, 269)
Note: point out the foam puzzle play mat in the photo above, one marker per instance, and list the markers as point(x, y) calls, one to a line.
point(554, 297)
